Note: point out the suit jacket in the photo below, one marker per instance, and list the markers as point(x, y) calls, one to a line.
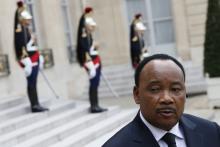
point(198, 132)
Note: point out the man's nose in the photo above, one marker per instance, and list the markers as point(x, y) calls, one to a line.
point(166, 98)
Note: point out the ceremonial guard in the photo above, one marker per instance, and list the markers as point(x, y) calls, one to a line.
point(137, 29)
point(88, 57)
point(27, 54)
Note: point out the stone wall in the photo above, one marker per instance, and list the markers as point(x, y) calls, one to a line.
point(196, 16)
point(67, 79)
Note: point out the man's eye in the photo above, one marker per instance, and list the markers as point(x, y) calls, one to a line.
point(155, 89)
point(176, 89)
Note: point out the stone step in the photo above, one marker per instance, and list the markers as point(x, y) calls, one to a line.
point(129, 76)
point(123, 75)
point(8, 102)
point(117, 81)
point(67, 129)
point(16, 111)
point(30, 118)
point(190, 69)
point(121, 78)
point(130, 81)
point(127, 90)
point(126, 83)
point(47, 124)
point(101, 140)
point(93, 132)
point(109, 94)
point(196, 87)
point(116, 68)
point(117, 88)
point(203, 113)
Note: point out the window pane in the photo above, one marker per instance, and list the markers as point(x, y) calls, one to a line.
point(67, 29)
point(164, 32)
point(147, 36)
point(30, 8)
point(161, 8)
point(139, 6)
point(136, 6)
point(65, 18)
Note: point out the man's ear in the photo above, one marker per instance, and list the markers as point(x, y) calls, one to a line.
point(136, 95)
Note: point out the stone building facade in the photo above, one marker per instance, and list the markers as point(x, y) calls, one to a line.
point(176, 27)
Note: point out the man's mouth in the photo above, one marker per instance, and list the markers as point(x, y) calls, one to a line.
point(166, 112)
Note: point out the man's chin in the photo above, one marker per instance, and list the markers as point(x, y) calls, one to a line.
point(166, 124)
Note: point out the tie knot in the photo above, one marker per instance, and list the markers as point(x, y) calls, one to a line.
point(169, 138)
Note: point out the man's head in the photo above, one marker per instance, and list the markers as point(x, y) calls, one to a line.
point(20, 3)
point(160, 90)
point(90, 24)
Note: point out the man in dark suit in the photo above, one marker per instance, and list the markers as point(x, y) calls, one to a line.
point(160, 91)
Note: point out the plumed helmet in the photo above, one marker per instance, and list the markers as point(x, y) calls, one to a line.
point(90, 21)
point(25, 15)
point(140, 26)
point(138, 15)
point(88, 9)
point(20, 3)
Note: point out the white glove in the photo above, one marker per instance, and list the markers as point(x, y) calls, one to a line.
point(93, 51)
point(91, 67)
point(30, 46)
point(27, 66)
point(41, 62)
point(96, 65)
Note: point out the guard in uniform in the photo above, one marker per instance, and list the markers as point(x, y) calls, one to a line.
point(88, 57)
point(27, 54)
point(137, 29)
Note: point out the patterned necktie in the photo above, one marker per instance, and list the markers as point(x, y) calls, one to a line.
point(169, 139)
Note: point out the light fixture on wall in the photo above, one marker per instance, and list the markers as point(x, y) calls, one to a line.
point(4, 65)
point(48, 57)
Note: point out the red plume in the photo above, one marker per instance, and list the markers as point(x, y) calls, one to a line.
point(88, 9)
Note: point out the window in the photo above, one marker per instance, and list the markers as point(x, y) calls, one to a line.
point(31, 9)
point(157, 17)
point(68, 31)
point(162, 21)
point(31, 6)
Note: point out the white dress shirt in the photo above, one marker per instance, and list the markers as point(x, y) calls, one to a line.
point(159, 133)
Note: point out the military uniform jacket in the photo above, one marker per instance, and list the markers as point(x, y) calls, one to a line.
point(24, 45)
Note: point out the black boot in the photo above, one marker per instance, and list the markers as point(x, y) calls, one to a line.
point(93, 97)
point(33, 97)
point(38, 108)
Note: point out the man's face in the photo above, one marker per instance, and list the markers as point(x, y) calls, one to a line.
point(161, 93)
point(26, 22)
point(90, 28)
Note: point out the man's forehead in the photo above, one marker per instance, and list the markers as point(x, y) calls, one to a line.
point(162, 66)
point(161, 63)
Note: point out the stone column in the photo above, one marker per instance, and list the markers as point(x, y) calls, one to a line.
point(180, 26)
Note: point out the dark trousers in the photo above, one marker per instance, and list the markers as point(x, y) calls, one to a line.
point(32, 86)
point(93, 88)
point(135, 59)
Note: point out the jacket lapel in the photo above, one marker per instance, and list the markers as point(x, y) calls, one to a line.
point(192, 137)
point(142, 136)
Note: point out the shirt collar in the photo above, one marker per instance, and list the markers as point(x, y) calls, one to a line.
point(159, 133)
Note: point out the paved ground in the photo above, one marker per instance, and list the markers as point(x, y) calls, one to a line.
point(196, 105)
